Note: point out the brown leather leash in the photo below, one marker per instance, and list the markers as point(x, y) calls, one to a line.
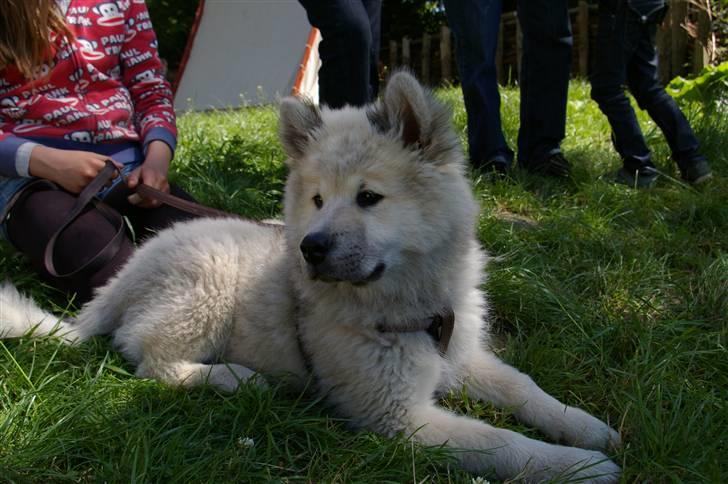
point(185, 205)
point(85, 198)
point(88, 197)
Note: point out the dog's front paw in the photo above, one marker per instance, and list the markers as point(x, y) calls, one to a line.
point(574, 464)
point(229, 377)
point(588, 432)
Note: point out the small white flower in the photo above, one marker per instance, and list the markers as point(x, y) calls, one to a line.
point(479, 480)
point(246, 442)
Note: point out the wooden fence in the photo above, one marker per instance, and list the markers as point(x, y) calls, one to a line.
point(684, 45)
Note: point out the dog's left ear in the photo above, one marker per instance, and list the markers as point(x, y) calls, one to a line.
point(299, 118)
point(412, 113)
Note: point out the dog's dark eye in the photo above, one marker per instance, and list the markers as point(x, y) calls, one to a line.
point(318, 201)
point(367, 198)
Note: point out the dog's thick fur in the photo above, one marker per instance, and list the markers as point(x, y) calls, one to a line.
point(242, 294)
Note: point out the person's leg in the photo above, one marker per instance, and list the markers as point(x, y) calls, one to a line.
point(613, 52)
point(148, 221)
point(544, 80)
point(35, 218)
point(345, 51)
point(475, 24)
point(643, 82)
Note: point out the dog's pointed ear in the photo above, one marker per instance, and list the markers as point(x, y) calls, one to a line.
point(406, 105)
point(299, 118)
point(412, 113)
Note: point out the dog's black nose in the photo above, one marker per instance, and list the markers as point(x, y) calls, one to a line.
point(315, 246)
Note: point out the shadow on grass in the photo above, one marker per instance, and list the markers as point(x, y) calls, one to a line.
point(81, 415)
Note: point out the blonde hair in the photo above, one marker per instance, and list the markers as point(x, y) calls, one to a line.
point(25, 33)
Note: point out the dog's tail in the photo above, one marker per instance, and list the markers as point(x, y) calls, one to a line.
point(20, 315)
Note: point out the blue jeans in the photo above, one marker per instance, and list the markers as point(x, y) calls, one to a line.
point(349, 49)
point(544, 81)
point(475, 25)
point(128, 154)
point(626, 54)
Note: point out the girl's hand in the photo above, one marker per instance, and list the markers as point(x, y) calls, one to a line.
point(72, 170)
point(153, 173)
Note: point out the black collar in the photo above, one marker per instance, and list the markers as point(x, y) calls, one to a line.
point(440, 326)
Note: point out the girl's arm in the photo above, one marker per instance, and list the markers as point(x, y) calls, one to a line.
point(72, 170)
point(152, 98)
point(150, 92)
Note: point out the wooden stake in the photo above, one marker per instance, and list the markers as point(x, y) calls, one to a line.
point(392, 55)
point(426, 51)
point(679, 13)
point(406, 57)
point(446, 54)
point(583, 23)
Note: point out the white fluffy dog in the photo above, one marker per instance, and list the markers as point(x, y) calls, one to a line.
point(357, 291)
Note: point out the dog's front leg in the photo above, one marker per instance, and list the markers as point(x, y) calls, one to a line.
point(225, 377)
point(484, 449)
point(489, 379)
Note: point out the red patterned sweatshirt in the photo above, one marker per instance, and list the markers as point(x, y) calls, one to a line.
point(107, 86)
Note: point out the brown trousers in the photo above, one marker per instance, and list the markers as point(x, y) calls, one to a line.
point(35, 218)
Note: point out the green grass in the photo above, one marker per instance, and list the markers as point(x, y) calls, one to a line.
point(612, 299)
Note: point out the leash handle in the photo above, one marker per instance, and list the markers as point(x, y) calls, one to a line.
point(88, 197)
point(85, 198)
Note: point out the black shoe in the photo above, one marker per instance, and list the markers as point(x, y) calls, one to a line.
point(498, 167)
point(643, 177)
point(554, 165)
point(697, 173)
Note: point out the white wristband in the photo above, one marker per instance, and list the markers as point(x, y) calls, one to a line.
point(22, 158)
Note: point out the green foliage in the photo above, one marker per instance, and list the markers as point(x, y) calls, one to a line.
point(172, 21)
point(709, 88)
point(719, 9)
point(410, 18)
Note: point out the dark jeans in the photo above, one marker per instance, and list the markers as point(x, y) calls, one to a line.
point(545, 69)
point(475, 24)
point(349, 49)
point(626, 54)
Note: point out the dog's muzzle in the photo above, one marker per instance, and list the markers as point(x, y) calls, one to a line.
point(317, 248)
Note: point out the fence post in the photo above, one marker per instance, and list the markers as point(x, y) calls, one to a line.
point(406, 57)
point(679, 13)
point(446, 54)
point(583, 22)
point(701, 49)
point(392, 54)
point(426, 48)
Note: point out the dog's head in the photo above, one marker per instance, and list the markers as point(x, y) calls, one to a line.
point(373, 190)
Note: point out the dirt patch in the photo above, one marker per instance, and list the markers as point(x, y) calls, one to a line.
point(517, 219)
